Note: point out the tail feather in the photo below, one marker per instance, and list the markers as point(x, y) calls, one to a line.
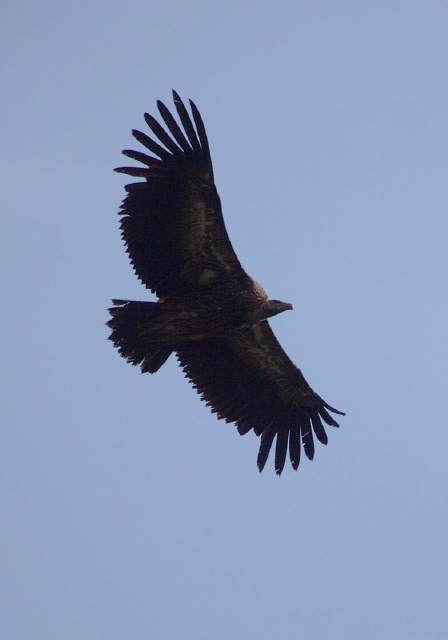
point(130, 322)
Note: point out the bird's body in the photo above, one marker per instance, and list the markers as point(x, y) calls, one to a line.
point(209, 310)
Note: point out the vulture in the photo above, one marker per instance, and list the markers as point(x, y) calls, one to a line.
point(208, 311)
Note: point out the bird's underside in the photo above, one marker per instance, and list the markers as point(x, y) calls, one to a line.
point(209, 311)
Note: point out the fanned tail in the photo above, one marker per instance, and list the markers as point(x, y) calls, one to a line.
point(130, 324)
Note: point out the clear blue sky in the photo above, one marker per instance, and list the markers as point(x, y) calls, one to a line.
point(128, 510)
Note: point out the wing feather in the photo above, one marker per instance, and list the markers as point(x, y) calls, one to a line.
point(162, 135)
point(200, 128)
point(150, 144)
point(172, 224)
point(173, 127)
point(267, 439)
point(307, 437)
point(141, 157)
point(294, 445)
point(135, 172)
point(247, 378)
point(281, 445)
point(186, 123)
point(319, 429)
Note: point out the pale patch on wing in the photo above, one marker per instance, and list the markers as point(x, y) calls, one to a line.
point(257, 333)
point(202, 219)
point(261, 349)
point(265, 349)
point(209, 242)
point(206, 276)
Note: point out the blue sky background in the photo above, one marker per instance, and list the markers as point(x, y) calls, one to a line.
point(128, 510)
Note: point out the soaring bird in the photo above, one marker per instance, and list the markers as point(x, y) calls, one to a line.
point(209, 311)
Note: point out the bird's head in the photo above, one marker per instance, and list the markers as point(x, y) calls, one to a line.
point(273, 307)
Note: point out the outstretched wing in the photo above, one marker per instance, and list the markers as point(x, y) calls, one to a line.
point(248, 379)
point(172, 224)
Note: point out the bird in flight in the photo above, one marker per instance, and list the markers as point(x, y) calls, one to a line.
point(209, 311)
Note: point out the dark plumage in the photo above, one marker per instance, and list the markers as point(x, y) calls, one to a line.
point(209, 311)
